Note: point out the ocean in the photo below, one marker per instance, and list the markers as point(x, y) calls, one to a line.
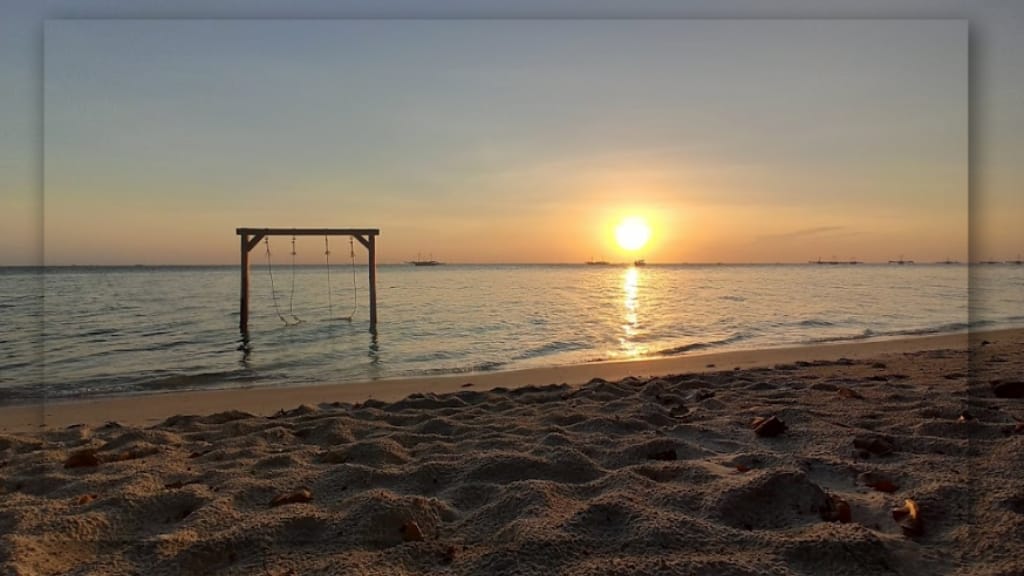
point(88, 331)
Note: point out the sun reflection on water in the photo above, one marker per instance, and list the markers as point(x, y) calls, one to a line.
point(628, 345)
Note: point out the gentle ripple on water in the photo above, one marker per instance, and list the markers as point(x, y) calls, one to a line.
point(124, 330)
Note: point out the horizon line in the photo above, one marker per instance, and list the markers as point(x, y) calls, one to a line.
point(573, 263)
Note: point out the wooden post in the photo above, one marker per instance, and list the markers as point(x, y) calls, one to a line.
point(243, 310)
point(371, 264)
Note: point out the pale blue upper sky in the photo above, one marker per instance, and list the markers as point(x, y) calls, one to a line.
point(454, 136)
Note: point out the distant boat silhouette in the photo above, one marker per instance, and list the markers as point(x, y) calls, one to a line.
point(834, 262)
point(901, 261)
point(640, 262)
point(421, 262)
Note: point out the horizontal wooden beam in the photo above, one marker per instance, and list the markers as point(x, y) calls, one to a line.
point(309, 231)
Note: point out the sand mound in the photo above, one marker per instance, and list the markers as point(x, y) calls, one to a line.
point(633, 477)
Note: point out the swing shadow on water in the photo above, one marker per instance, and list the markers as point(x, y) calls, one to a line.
point(318, 343)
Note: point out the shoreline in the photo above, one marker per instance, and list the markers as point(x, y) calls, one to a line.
point(866, 459)
point(150, 409)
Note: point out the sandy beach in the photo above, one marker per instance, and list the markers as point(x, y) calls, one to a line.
point(888, 457)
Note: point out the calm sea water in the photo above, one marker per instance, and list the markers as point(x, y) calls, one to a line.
point(95, 331)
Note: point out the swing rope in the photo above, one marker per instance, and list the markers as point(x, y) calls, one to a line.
point(273, 293)
point(291, 298)
point(355, 296)
point(327, 257)
point(352, 255)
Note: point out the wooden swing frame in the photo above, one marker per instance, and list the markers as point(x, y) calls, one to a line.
point(250, 237)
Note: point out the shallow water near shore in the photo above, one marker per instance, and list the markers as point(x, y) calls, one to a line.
point(84, 331)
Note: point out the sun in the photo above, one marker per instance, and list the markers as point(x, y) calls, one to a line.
point(633, 233)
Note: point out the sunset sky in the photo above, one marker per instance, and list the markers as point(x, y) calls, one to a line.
point(509, 141)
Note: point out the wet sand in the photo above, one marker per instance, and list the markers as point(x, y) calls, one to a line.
point(635, 468)
point(145, 410)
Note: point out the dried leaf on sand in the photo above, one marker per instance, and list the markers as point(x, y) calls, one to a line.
point(849, 393)
point(768, 427)
point(884, 486)
point(669, 454)
point(837, 510)
point(86, 498)
point(874, 444)
point(878, 481)
point(82, 459)
point(411, 532)
point(908, 517)
point(299, 496)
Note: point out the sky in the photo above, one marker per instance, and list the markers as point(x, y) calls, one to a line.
point(518, 140)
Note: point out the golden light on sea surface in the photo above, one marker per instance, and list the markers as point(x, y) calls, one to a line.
point(633, 233)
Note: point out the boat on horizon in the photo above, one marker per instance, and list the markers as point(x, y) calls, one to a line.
point(901, 261)
point(834, 262)
point(419, 261)
point(640, 262)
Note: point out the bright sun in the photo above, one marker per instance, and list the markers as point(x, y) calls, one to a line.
point(633, 233)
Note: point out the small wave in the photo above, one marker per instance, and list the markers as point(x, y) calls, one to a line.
point(488, 366)
point(435, 356)
point(16, 365)
point(941, 329)
point(193, 381)
point(20, 394)
point(867, 333)
point(815, 323)
point(111, 385)
point(100, 332)
point(169, 345)
point(701, 345)
point(550, 348)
